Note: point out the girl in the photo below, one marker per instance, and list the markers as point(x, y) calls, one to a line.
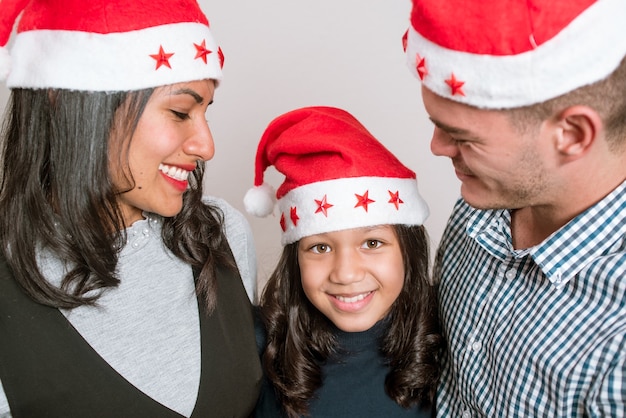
point(348, 318)
point(119, 293)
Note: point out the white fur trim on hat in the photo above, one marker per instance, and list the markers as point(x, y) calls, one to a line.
point(114, 61)
point(5, 63)
point(588, 50)
point(333, 205)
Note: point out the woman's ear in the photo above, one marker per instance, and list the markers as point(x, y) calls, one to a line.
point(579, 128)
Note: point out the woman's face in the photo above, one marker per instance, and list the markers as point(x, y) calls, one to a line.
point(353, 276)
point(171, 138)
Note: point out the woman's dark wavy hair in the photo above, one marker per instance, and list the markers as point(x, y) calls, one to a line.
point(300, 338)
point(56, 194)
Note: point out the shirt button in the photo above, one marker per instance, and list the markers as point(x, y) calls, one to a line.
point(476, 346)
point(510, 274)
point(467, 414)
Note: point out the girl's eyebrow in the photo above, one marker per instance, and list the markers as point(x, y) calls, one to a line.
point(374, 227)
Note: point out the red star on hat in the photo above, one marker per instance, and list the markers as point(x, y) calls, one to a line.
point(363, 200)
point(220, 54)
point(294, 216)
point(420, 66)
point(201, 51)
point(405, 40)
point(162, 58)
point(455, 85)
point(323, 206)
point(395, 199)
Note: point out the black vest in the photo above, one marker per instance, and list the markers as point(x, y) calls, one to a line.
point(48, 370)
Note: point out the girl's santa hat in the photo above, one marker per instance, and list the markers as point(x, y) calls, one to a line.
point(106, 45)
point(337, 176)
point(505, 54)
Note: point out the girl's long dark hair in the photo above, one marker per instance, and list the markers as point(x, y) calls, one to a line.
point(56, 194)
point(300, 338)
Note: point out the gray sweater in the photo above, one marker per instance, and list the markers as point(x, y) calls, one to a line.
point(147, 328)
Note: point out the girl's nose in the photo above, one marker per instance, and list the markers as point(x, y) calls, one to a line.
point(347, 268)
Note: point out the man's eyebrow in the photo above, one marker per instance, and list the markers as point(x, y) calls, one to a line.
point(190, 92)
point(450, 129)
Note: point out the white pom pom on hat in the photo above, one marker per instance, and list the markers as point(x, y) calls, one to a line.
point(337, 176)
point(260, 200)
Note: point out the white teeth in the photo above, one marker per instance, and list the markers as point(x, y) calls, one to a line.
point(353, 298)
point(174, 172)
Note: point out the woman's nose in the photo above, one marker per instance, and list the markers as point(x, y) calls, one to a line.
point(201, 142)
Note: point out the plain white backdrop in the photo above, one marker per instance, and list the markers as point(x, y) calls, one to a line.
point(285, 54)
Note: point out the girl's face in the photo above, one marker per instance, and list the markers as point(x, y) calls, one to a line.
point(171, 138)
point(352, 276)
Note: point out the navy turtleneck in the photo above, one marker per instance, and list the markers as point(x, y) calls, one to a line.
point(353, 382)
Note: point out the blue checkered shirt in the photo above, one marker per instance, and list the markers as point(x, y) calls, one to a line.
point(538, 332)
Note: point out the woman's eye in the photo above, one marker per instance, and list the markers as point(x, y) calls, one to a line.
point(372, 243)
point(180, 115)
point(320, 248)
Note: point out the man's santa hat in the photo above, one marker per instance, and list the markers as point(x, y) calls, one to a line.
point(337, 176)
point(106, 45)
point(513, 53)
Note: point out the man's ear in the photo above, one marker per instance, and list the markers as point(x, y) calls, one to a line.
point(579, 128)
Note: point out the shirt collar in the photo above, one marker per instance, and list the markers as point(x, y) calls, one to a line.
point(563, 254)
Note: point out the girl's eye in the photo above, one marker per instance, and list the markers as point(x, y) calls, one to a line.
point(180, 115)
point(320, 248)
point(372, 243)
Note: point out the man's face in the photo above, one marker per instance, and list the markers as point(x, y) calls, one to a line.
point(499, 166)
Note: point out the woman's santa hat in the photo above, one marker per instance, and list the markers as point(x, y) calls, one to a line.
point(505, 54)
point(106, 45)
point(337, 176)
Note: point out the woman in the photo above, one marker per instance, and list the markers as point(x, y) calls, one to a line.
point(119, 292)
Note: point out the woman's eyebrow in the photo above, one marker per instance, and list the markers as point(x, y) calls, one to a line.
point(190, 92)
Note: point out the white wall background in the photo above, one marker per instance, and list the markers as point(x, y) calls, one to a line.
point(284, 54)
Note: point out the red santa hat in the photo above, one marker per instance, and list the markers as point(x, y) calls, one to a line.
point(505, 54)
point(337, 176)
point(106, 45)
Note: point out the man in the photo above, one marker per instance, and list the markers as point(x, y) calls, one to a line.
point(528, 99)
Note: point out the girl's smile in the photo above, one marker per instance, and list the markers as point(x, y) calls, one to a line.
point(352, 303)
